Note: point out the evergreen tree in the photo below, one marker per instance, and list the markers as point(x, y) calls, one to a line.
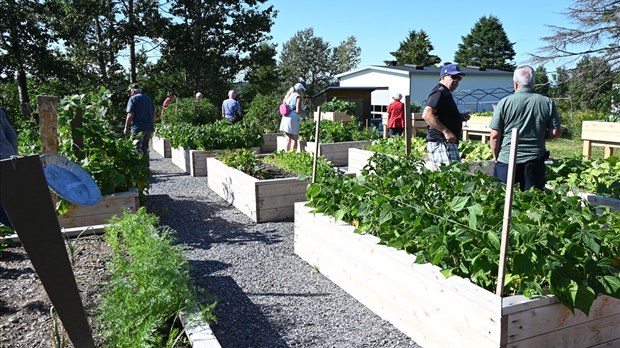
point(346, 55)
point(542, 81)
point(589, 85)
point(416, 50)
point(262, 76)
point(487, 46)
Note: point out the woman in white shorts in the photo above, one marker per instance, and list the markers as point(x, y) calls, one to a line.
point(290, 123)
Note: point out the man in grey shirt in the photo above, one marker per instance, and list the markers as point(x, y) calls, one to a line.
point(537, 119)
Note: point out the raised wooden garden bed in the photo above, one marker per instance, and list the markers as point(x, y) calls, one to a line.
point(270, 142)
point(162, 146)
point(599, 133)
point(438, 312)
point(337, 153)
point(261, 200)
point(334, 116)
point(194, 162)
point(110, 205)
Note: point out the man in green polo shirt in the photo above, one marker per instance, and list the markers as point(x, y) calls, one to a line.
point(537, 119)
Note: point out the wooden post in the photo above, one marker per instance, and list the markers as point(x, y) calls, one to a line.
point(48, 123)
point(77, 134)
point(507, 211)
point(385, 125)
point(317, 134)
point(408, 125)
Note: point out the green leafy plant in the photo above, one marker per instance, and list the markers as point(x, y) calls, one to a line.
point(220, 135)
point(612, 118)
point(395, 145)
point(263, 113)
point(106, 154)
point(335, 132)
point(301, 163)
point(474, 151)
point(482, 114)
point(149, 283)
point(336, 105)
point(415, 106)
point(452, 218)
point(245, 161)
point(577, 174)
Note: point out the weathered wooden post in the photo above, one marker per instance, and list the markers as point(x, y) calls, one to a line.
point(408, 125)
point(48, 123)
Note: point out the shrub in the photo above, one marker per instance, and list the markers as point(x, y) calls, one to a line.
point(191, 111)
point(336, 105)
point(263, 113)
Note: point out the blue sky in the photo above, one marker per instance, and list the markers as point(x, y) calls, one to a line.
point(380, 26)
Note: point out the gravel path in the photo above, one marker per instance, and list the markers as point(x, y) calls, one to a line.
point(268, 296)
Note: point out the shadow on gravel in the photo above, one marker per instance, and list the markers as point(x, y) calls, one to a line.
point(240, 323)
point(199, 225)
point(159, 177)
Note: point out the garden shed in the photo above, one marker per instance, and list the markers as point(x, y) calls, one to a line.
point(477, 92)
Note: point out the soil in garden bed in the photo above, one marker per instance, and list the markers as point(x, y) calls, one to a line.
point(25, 319)
point(274, 172)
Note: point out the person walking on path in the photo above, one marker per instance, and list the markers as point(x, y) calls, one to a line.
point(8, 148)
point(291, 123)
point(140, 118)
point(537, 119)
point(231, 109)
point(445, 121)
point(396, 116)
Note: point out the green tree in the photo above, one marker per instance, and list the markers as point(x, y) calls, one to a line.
point(590, 85)
point(306, 58)
point(346, 55)
point(262, 76)
point(542, 81)
point(487, 46)
point(311, 59)
point(211, 39)
point(416, 50)
point(25, 41)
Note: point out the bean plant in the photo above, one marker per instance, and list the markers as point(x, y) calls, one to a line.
point(453, 219)
point(220, 135)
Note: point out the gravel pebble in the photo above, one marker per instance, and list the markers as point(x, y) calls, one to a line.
point(268, 296)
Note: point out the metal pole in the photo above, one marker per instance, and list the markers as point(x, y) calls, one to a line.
point(317, 134)
point(507, 211)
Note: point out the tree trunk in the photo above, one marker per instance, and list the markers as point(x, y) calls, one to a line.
point(132, 44)
point(101, 53)
point(22, 87)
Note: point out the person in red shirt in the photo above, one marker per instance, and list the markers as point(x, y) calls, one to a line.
point(396, 116)
point(167, 102)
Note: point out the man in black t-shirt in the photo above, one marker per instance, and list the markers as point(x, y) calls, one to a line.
point(444, 118)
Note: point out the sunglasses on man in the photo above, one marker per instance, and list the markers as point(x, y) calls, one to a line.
point(456, 77)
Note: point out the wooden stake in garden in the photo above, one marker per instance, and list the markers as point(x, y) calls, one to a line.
point(507, 211)
point(317, 133)
point(408, 127)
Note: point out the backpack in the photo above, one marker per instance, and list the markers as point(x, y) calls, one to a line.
point(285, 109)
